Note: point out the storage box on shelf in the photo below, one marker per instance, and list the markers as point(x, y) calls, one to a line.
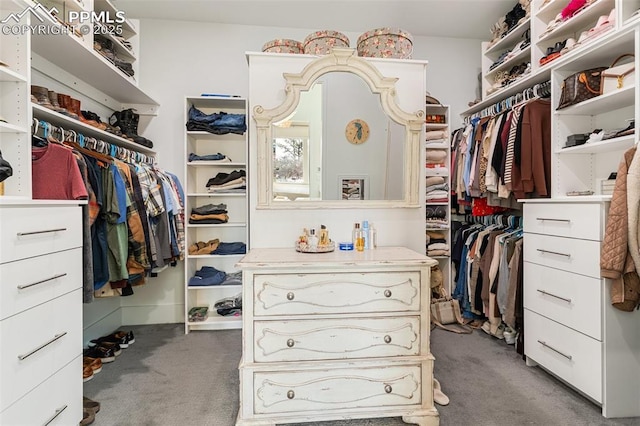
point(441, 111)
point(581, 167)
point(198, 172)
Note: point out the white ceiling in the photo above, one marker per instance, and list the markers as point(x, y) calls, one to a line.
point(443, 18)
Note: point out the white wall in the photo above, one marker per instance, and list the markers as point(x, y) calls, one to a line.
point(179, 59)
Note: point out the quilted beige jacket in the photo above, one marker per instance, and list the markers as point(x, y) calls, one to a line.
point(616, 261)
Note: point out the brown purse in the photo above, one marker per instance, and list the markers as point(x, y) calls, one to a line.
point(581, 86)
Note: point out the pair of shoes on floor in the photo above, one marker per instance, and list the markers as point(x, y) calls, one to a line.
point(108, 347)
point(90, 367)
point(438, 396)
point(89, 410)
point(499, 333)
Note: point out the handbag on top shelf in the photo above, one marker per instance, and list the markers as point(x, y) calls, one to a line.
point(619, 76)
point(581, 86)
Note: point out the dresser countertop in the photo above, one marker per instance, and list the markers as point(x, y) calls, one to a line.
point(283, 257)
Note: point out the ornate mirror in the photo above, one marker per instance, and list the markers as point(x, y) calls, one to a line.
point(339, 140)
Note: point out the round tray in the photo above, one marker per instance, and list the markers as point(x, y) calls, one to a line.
point(304, 248)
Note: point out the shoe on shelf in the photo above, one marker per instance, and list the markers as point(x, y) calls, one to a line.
point(53, 98)
point(42, 96)
point(90, 405)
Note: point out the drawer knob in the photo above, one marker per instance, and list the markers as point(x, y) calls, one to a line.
point(291, 394)
point(387, 293)
point(290, 343)
point(388, 388)
point(22, 234)
point(387, 339)
point(42, 346)
point(23, 286)
point(291, 296)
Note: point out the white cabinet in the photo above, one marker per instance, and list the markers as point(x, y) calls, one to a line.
point(41, 314)
point(571, 329)
point(442, 147)
point(338, 335)
point(198, 173)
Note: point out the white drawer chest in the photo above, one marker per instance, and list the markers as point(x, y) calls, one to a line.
point(570, 327)
point(40, 313)
point(336, 335)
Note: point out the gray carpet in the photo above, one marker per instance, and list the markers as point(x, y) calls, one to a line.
point(168, 378)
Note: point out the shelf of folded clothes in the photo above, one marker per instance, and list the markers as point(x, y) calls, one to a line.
point(218, 123)
point(209, 276)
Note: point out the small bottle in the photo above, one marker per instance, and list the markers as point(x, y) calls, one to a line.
point(358, 238)
point(373, 237)
point(365, 234)
point(312, 240)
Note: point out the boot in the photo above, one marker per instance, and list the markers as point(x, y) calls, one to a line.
point(75, 109)
point(42, 96)
point(53, 98)
point(65, 102)
point(128, 120)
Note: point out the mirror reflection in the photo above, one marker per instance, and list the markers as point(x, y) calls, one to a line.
point(338, 145)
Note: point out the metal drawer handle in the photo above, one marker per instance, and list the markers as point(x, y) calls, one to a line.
point(569, 357)
point(553, 295)
point(22, 234)
point(387, 339)
point(554, 220)
point(291, 394)
point(387, 293)
point(388, 388)
point(56, 414)
point(291, 296)
point(28, 354)
point(23, 286)
point(554, 252)
point(290, 343)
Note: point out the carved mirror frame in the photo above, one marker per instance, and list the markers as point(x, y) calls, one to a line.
point(339, 60)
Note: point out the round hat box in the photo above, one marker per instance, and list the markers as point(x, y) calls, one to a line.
point(321, 42)
point(386, 43)
point(283, 45)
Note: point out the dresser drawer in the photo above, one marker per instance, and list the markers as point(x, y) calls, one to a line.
point(570, 299)
point(32, 231)
point(56, 401)
point(46, 337)
point(30, 282)
point(579, 256)
point(564, 220)
point(336, 339)
point(570, 355)
point(301, 294)
point(295, 391)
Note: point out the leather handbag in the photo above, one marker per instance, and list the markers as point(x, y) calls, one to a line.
point(446, 311)
point(618, 76)
point(5, 169)
point(581, 86)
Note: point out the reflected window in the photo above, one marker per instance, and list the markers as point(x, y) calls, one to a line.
point(291, 160)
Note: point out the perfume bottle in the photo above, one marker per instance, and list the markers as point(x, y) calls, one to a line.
point(373, 237)
point(358, 237)
point(312, 240)
point(365, 234)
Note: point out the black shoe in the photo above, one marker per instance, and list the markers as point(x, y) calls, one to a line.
point(112, 338)
point(105, 354)
point(115, 347)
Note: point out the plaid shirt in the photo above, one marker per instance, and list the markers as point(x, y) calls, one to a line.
point(150, 190)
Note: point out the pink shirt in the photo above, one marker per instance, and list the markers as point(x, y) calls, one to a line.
point(55, 174)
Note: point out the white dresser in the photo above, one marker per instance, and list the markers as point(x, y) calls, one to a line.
point(570, 327)
point(336, 336)
point(40, 313)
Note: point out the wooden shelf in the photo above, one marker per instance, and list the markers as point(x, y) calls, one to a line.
point(609, 145)
point(510, 39)
point(216, 322)
point(7, 74)
point(601, 104)
point(216, 164)
point(12, 128)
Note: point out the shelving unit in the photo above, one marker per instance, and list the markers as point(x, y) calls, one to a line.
point(542, 14)
point(443, 261)
point(234, 147)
